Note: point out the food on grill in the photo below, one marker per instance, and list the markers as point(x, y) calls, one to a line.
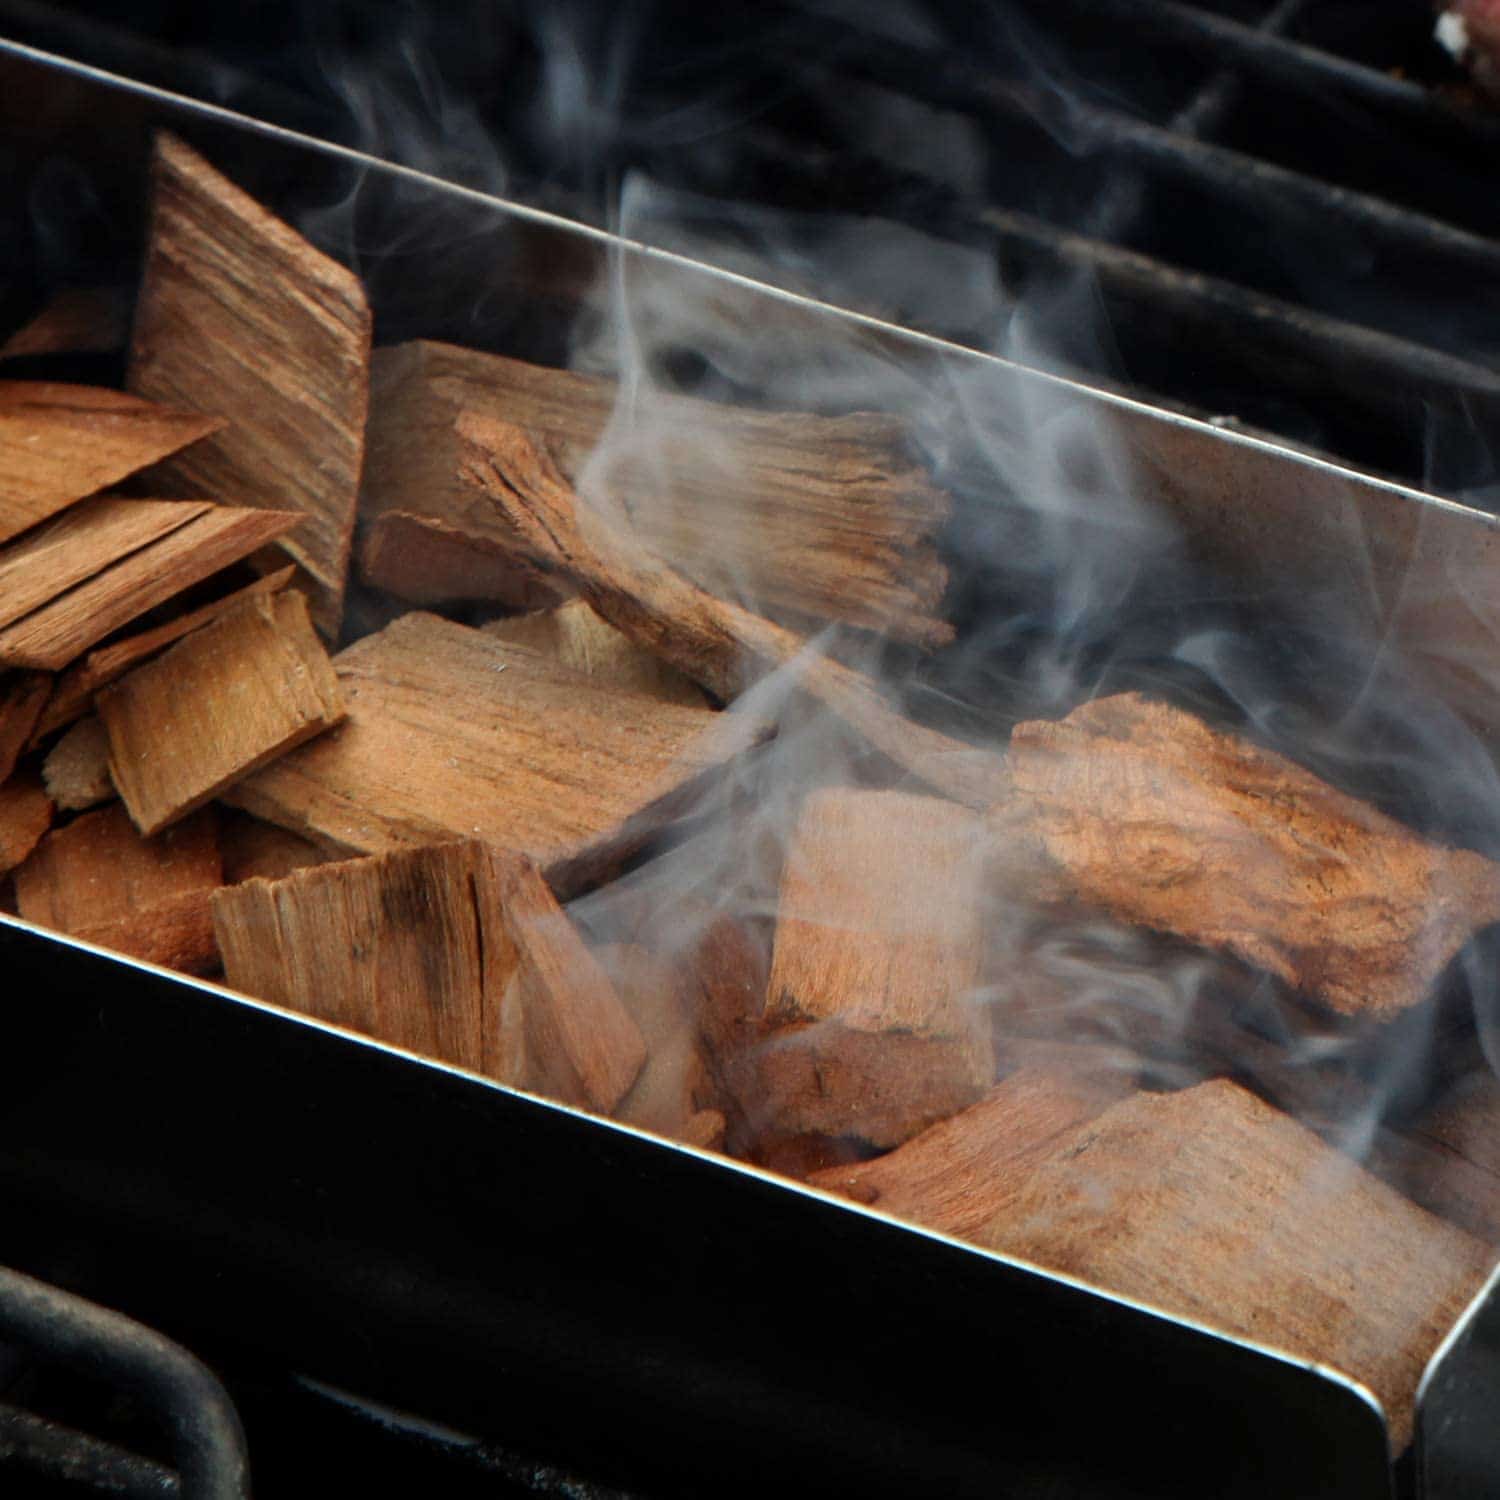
point(1209, 1203)
point(227, 699)
point(858, 996)
point(871, 1026)
point(454, 734)
point(1148, 813)
point(76, 770)
point(98, 879)
point(813, 518)
point(240, 315)
point(454, 951)
point(62, 443)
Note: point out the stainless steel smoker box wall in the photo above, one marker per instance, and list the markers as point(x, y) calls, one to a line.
point(234, 1173)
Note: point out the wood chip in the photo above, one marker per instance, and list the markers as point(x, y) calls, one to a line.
point(76, 770)
point(99, 880)
point(1152, 815)
point(80, 543)
point(238, 312)
point(54, 635)
point(579, 639)
point(873, 1029)
point(811, 517)
point(715, 643)
point(445, 950)
point(81, 320)
point(62, 443)
point(251, 848)
point(452, 733)
point(218, 705)
point(25, 815)
point(23, 696)
point(73, 695)
point(424, 560)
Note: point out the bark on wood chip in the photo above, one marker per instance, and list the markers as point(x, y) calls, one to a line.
point(238, 311)
point(718, 644)
point(73, 695)
point(1149, 813)
point(579, 639)
point(23, 697)
point(872, 1025)
point(814, 518)
point(251, 848)
point(446, 950)
point(231, 697)
point(54, 635)
point(81, 320)
point(452, 733)
point(82, 542)
point(25, 815)
point(76, 770)
point(674, 1086)
point(425, 560)
point(62, 443)
point(99, 880)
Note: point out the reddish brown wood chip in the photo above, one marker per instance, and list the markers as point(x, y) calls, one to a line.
point(99, 880)
point(25, 815)
point(82, 320)
point(425, 560)
point(23, 696)
point(238, 312)
point(61, 443)
point(218, 705)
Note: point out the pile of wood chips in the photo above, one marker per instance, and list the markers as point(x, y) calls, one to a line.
point(382, 837)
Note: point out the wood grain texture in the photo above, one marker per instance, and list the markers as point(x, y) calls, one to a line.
point(809, 517)
point(81, 320)
point(452, 733)
point(61, 443)
point(99, 880)
point(73, 695)
point(579, 639)
point(872, 1025)
point(239, 313)
point(717, 644)
point(1149, 813)
point(54, 635)
point(250, 848)
point(446, 950)
point(23, 697)
point(426, 560)
point(1214, 1206)
point(82, 542)
point(25, 815)
point(226, 700)
point(76, 770)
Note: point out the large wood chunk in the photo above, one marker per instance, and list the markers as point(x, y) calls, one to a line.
point(73, 694)
point(714, 642)
point(1214, 1206)
point(426, 560)
point(23, 696)
point(816, 518)
point(238, 312)
point(1149, 813)
point(99, 880)
point(873, 1029)
point(55, 634)
point(218, 705)
point(453, 734)
point(25, 815)
point(447, 950)
point(82, 542)
point(61, 443)
point(579, 639)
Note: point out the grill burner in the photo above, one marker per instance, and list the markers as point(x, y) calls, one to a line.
point(1197, 320)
